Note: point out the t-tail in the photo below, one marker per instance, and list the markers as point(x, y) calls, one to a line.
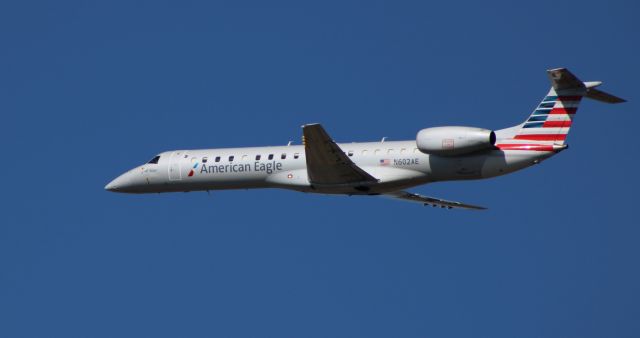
point(550, 122)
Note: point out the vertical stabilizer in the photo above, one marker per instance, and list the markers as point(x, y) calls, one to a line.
point(552, 119)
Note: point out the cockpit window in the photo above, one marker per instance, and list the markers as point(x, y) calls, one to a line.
point(154, 160)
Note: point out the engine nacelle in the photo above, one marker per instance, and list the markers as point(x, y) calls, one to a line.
point(452, 141)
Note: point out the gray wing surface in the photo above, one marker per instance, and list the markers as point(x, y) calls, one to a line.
point(434, 202)
point(327, 164)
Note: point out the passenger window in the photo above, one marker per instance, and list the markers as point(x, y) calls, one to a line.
point(271, 156)
point(154, 160)
point(403, 150)
point(364, 152)
point(283, 156)
point(258, 157)
point(415, 150)
point(231, 158)
point(296, 155)
point(350, 153)
point(390, 151)
point(244, 157)
point(204, 160)
point(217, 158)
point(377, 151)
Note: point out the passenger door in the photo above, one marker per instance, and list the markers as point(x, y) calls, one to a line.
point(175, 168)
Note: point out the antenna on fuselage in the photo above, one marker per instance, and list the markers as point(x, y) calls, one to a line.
point(288, 144)
point(383, 139)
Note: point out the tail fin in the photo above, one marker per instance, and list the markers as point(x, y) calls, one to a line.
point(551, 120)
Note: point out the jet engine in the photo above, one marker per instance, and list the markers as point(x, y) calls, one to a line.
point(452, 141)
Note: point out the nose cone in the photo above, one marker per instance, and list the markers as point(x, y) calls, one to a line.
point(134, 181)
point(119, 184)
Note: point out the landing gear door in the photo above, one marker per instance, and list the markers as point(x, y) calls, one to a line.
point(175, 167)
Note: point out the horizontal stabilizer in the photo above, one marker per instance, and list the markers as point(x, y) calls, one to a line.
point(601, 96)
point(563, 80)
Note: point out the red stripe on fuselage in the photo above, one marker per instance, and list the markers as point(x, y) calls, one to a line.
point(541, 137)
point(532, 147)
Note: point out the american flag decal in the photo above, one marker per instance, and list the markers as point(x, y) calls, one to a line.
point(385, 161)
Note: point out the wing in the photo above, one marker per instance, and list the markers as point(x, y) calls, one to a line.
point(326, 162)
point(434, 202)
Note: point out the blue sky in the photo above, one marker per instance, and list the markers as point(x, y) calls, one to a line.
point(91, 89)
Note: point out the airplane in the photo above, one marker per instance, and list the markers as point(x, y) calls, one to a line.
point(387, 168)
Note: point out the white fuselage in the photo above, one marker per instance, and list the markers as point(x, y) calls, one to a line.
point(395, 164)
point(322, 166)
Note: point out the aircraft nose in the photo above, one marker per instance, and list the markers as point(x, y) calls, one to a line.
point(119, 183)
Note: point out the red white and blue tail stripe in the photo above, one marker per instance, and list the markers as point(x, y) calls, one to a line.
point(551, 120)
point(547, 127)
